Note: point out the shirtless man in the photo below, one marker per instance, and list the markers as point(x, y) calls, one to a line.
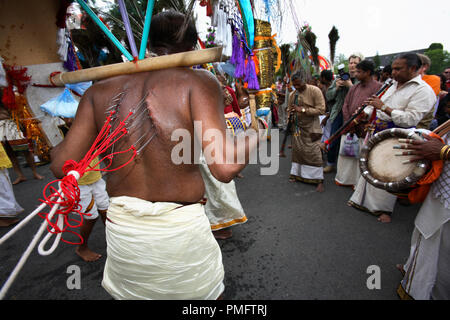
point(159, 240)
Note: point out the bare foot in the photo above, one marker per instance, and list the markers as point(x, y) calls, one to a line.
point(19, 180)
point(6, 222)
point(320, 188)
point(292, 180)
point(223, 234)
point(384, 218)
point(38, 176)
point(240, 176)
point(87, 254)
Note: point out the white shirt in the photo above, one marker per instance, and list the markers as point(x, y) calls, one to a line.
point(410, 103)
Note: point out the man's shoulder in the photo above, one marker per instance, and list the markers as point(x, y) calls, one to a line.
point(313, 89)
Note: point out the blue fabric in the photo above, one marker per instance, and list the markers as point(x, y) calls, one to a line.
point(63, 105)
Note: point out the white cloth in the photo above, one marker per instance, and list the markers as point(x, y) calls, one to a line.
point(223, 207)
point(348, 172)
point(247, 116)
point(160, 251)
point(8, 129)
point(428, 262)
point(326, 129)
point(3, 81)
point(306, 172)
point(411, 103)
point(9, 208)
point(373, 199)
point(95, 192)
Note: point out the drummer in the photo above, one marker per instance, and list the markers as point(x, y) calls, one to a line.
point(404, 105)
point(426, 272)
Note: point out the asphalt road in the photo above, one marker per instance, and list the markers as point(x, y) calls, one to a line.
point(296, 245)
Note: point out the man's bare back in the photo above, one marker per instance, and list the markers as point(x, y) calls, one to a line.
point(174, 98)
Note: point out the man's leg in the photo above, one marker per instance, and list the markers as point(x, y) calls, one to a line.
point(333, 151)
point(30, 160)
point(223, 234)
point(83, 250)
point(15, 163)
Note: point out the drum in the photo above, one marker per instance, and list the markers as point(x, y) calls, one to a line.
point(381, 166)
point(236, 125)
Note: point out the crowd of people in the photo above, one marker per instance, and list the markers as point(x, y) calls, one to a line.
point(162, 220)
point(414, 100)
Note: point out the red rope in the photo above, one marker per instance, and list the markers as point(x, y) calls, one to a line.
point(69, 197)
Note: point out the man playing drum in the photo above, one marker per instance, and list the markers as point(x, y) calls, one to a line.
point(427, 270)
point(403, 106)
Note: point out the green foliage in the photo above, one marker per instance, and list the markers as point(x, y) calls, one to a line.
point(440, 58)
point(341, 59)
point(377, 61)
point(435, 46)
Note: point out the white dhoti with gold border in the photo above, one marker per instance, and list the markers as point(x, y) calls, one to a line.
point(223, 207)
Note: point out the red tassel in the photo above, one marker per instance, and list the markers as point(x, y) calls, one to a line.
point(8, 99)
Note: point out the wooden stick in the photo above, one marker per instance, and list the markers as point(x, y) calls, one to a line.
point(183, 59)
point(443, 129)
point(252, 103)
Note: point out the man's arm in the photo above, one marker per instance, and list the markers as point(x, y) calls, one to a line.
point(79, 139)
point(331, 92)
point(207, 109)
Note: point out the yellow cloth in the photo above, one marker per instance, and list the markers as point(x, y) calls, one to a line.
point(5, 163)
point(160, 251)
point(91, 176)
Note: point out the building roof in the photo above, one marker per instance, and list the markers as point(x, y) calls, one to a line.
point(386, 59)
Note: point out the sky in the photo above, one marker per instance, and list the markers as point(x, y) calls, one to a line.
point(365, 26)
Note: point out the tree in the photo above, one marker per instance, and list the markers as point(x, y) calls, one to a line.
point(440, 58)
point(377, 61)
point(341, 59)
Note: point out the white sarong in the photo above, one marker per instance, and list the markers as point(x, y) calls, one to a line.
point(427, 268)
point(161, 251)
point(308, 174)
point(371, 199)
point(9, 208)
point(9, 131)
point(223, 207)
point(348, 172)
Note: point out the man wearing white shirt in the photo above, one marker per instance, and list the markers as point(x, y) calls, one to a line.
point(403, 106)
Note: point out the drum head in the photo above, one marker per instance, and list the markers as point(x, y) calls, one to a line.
point(381, 166)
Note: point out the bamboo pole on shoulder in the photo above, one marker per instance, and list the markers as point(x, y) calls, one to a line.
point(183, 59)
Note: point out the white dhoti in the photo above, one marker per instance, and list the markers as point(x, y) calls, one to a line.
point(223, 207)
point(305, 173)
point(8, 130)
point(347, 173)
point(9, 208)
point(161, 251)
point(427, 269)
point(368, 198)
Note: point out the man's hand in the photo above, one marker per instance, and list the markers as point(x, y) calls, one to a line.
point(348, 83)
point(430, 149)
point(375, 102)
